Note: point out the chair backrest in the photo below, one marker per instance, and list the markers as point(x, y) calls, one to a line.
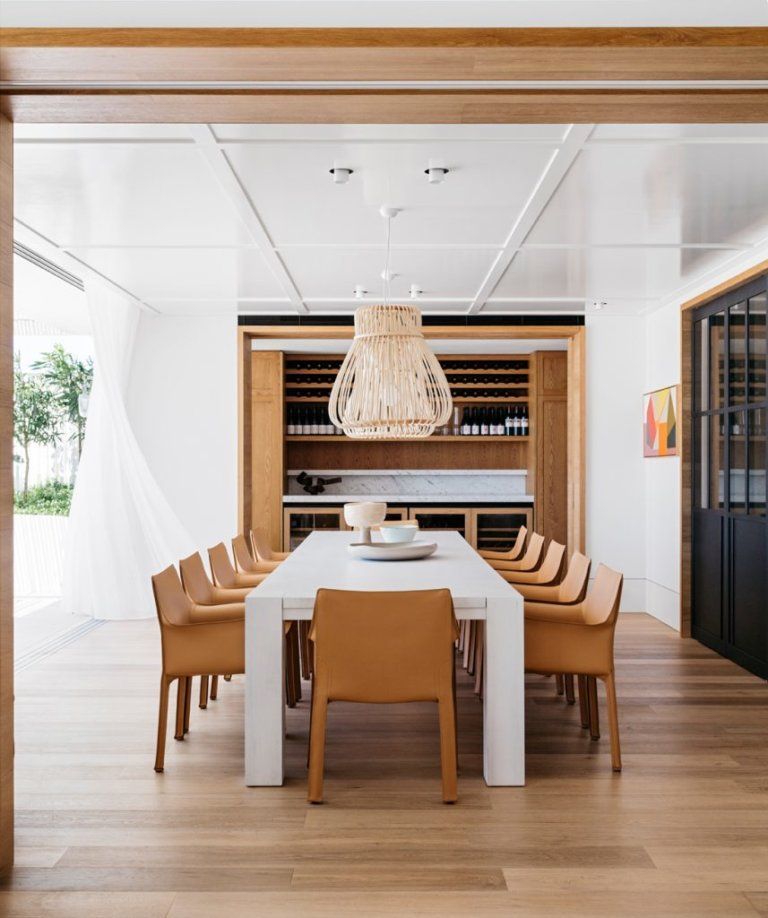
point(573, 587)
point(602, 603)
point(534, 551)
point(171, 602)
point(517, 549)
point(260, 545)
point(243, 557)
point(224, 575)
point(384, 646)
point(195, 579)
point(552, 565)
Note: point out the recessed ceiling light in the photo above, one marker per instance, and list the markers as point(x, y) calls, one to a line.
point(359, 291)
point(599, 304)
point(341, 174)
point(436, 174)
point(415, 292)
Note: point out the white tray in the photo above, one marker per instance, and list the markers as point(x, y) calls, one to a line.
point(392, 551)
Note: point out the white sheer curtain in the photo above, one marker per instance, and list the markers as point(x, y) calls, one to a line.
point(121, 527)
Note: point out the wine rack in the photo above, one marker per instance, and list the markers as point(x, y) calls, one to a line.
point(491, 396)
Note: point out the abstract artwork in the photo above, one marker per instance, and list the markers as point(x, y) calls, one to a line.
point(660, 433)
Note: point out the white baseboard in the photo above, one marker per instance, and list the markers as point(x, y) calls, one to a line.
point(663, 603)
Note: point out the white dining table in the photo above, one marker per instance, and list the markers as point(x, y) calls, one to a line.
point(322, 560)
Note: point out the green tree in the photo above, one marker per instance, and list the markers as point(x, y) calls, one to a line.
point(35, 416)
point(69, 378)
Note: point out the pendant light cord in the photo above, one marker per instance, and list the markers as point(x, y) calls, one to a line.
point(386, 263)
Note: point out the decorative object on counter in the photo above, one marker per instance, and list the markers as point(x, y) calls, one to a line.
point(391, 385)
point(380, 551)
point(363, 515)
point(660, 422)
point(399, 531)
point(313, 485)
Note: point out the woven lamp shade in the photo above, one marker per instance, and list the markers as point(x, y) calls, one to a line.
point(390, 385)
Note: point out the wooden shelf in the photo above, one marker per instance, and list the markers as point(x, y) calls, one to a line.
point(435, 438)
point(489, 400)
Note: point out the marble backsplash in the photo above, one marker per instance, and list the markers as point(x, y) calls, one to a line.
point(498, 484)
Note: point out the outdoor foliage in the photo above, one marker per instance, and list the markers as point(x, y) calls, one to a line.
point(51, 499)
point(35, 415)
point(68, 378)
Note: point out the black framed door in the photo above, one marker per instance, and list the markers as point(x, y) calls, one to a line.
point(729, 472)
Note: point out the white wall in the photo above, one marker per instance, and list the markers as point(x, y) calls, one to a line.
point(182, 402)
point(662, 476)
point(615, 475)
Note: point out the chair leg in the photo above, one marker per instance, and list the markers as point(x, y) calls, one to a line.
point(181, 691)
point(472, 648)
point(479, 658)
point(570, 695)
point(462, 634)
point(203, 703)
point(214, 688)
point(306, 649)
point(319, 717)
point(228, 677)
point(187, 703)
point(583, 702)
point(613, 720)
point(290, 678)
point(162, 723)
point(446, 713)
point(468, 640)
point(559, 684)
point(594, 711)
point(296, 649)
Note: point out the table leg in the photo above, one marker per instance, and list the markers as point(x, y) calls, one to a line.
point(503, 693)
point(264, 686)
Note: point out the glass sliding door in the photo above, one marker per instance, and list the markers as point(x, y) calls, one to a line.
point(729, 523)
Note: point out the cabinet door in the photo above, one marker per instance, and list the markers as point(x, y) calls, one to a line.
point(495, 529)
point(458, 519)
point(301, 521)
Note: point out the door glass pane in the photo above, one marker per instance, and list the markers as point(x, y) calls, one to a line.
point(717, 462)
point(427, 520)
point(701, 494)
point(701, 365)
point(756, 460)
point(737, 341)
point(302, 524)
point(498, 531)
point(717, 360)
point(738, 462)
point(757, 349)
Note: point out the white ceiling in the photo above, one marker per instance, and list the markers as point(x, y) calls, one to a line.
point(385, 13)
point(197, 219)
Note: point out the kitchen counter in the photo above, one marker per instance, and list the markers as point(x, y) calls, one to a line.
point(412, 499)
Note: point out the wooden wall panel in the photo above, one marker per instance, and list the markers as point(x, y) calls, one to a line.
point(6, 495)
point(551, 438)
point(430, 455)
point(266, 437)
point(576, 446)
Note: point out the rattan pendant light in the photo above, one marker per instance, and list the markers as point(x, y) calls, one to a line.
point(390, 385)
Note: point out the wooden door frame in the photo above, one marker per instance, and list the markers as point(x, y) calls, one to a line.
point(123, 75)
point(575, 335)
point(686, 440)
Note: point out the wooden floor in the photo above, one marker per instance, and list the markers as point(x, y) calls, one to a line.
point(683, 831)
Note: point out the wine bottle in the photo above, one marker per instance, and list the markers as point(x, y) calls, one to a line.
point(475, 423)
point(484, 426)
point(313, 428)
point(456, 428)
point(516, 422)
point(524, 422)
point(466, 425)
point(508, 431)
point(290, 428)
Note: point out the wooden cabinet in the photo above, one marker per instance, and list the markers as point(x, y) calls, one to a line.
point(267, 465)
point(551, 445)
point(496, 528)
point(299, 522)
point(458, 519)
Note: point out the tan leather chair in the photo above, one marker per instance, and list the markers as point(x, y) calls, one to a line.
point(196, 640)
point(383, 648)
point(530, 561)
point(550, 571)
point(514, 553)
point(579, 639)
point(261, 548)
point(200, 589)
point(572, 588)
point(244, 561)
point(225, 575)
point(227, 578)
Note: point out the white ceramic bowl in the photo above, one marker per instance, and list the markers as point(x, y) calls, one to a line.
point(398, 531)
point(365, 513)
